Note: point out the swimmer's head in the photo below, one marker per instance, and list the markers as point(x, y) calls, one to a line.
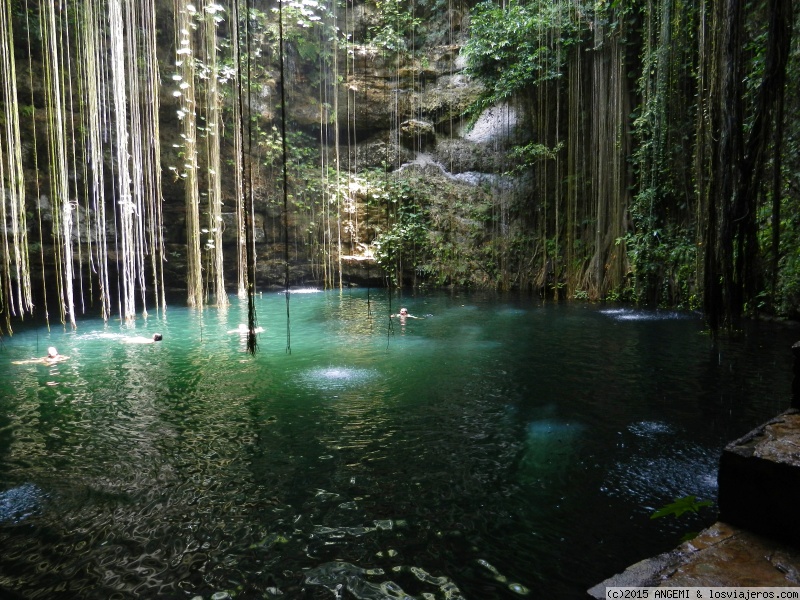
point(157, 337)
point(403, 311)
point(52, 352)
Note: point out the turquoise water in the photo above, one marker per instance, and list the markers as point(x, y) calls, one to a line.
point(497, 448)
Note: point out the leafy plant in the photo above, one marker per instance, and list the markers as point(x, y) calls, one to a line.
point(399, 23)
point(514, 47)
point(406, 240)
point(681, 506)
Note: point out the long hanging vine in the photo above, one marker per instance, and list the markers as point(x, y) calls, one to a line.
point(71, 108)
point(609, 140)
point(327, 83)
point(185, 77)
point(28, 27)
point(127, 199)
point(16, 296)
point(284, 174)
point(653, 178)
point(61, 209)
point(213, 134)
point(734, 161)
point(246, 161)
point(238, 150)
point(152, 152)
point(93, 94)
point(576, 152)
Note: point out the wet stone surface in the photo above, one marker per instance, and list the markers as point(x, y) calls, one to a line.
point(721, 556)
point(759, 479)
point(778, 440)
point(757, 541)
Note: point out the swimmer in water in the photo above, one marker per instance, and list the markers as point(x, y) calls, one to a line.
point(52, 358)
point(157, 337)
point(403, 315)
point(243, 330)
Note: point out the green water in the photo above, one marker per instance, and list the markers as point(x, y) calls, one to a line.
point(497, 448)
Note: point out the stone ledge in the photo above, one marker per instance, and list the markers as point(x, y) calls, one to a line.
point(759, 479)
point(722, 555)
point(756, 542)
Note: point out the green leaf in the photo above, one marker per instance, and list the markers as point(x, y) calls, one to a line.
point(680, 506)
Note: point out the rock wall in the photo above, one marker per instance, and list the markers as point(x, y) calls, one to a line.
point(398, 112)
point(402, 113)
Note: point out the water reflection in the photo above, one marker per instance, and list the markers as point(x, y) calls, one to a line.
point(490, 452)
point(19, 503)
point(656, 470)
point(629, 314)
point(337, 378)
point(650, 429)
point(551, 446)
point(345, 578)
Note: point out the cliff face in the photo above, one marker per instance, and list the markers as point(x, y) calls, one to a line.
point(400, 116)
point(385, 180)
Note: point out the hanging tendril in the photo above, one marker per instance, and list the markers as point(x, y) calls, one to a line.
point(252, 343)
point(285, 177)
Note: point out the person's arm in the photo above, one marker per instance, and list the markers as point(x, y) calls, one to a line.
point(49, 360)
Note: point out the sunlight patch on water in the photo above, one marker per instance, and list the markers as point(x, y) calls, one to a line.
point(512, 312)
point(100, 335)
point(551, 447)
point(340, 532)
point(473, 435)
point(337, 378)
point(19, 503)
point(346, 578)
point(663, 464)
point(690, 470)
point(649, 428)
point(629, 314)
point(324, 495)
point(552, 427)
point(500, 578)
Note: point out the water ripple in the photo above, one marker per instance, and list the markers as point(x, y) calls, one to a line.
point(484, 452)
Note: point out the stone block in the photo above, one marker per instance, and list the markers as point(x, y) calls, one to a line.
point(759, 479)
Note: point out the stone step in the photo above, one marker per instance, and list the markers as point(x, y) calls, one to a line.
point(759, 480)
point(720, 556)
point(756, 542)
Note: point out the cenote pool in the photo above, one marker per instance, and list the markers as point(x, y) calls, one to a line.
point(499, 448)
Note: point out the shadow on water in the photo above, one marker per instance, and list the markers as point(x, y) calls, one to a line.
point(497, 448)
